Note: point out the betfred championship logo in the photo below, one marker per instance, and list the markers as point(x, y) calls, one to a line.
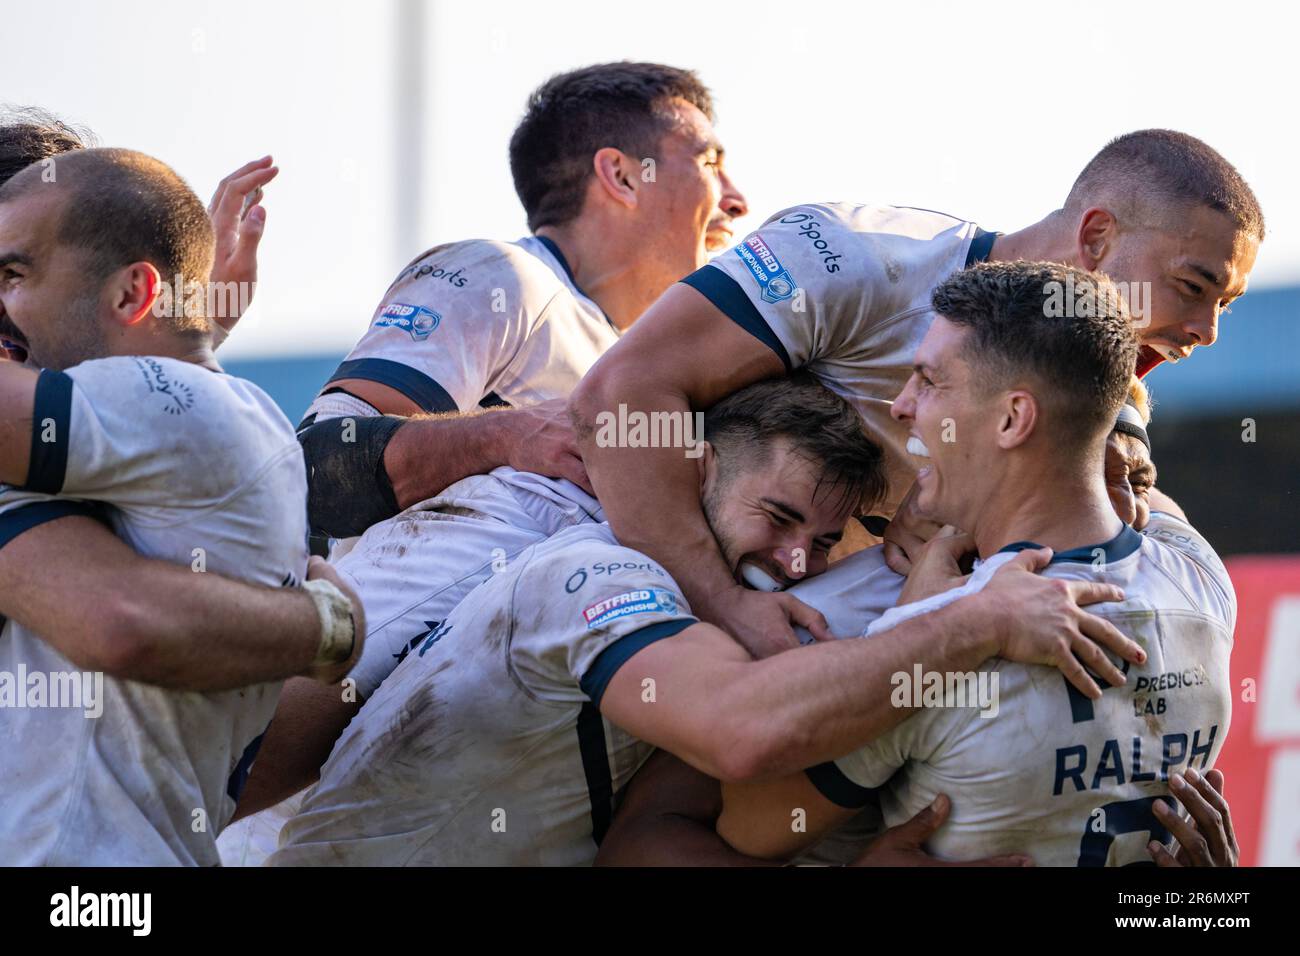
point(415, 319)
point(640, 601)
point(777, 284)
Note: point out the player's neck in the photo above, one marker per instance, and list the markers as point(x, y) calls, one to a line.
point(613, 277)
point(1045, 241)
point(185, 348)
point(1057, 511)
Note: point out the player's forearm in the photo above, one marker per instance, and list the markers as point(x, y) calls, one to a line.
point(639, 487)
point(108, 609)
point(308, 720)
point(205, 632)
point(816, 703)
point(429, 453)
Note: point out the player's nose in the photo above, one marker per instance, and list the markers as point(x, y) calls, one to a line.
point(733, 201)
point(902, 407)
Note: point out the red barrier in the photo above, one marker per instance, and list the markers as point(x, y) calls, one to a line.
point(1261, 757)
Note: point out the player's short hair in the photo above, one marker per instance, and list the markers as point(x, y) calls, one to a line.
point(29, 135)
point(815, 423)
point(572, 115)
point(121, 206)
point(1075, 355)
point(1151, 170)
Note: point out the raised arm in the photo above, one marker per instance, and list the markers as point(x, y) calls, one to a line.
point(684, 354)
point(106, 608)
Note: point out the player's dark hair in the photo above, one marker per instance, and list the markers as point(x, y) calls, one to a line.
point(572, 115)
point(818, 425)
point(119, 207)
point(29, 135)
point(1158, 168)
point(1063, 333)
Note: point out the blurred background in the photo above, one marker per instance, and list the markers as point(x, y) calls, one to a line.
point(390, 122)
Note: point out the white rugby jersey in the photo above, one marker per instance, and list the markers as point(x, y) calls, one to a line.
point(412, 569)
point(486, 745)
point(476, 323)
point(844, 290)
point(1053, 774)
point(201, 469)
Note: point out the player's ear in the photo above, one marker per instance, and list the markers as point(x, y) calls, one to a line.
point(706, 465)
point(132, 291)
point(617, 176)
point(1096, 236)
point(1019, 418)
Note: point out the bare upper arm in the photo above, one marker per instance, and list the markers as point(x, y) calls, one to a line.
point(17, 397)
point(684, 343)
point(667, 694)
point(384, 398)
point(777, 819)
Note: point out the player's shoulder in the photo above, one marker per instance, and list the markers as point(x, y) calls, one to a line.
point(587, 562)
point(177, 388)
point(903, 222)
point(479, 267)
point(1180, 555)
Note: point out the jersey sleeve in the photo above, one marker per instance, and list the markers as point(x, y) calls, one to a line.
point(802, 284)
point(23, 510)
point(580, 614)
point(451, 323)
point(1207, 581)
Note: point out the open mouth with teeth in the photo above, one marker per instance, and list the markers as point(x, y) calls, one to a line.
point(1149, 356)
point(756, 579)
point(12, 343)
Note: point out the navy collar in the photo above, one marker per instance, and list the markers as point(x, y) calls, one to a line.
point(554, 250)
point(980, 246)
point(1116, 549)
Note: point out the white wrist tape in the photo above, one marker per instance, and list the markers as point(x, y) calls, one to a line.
point(338, 633)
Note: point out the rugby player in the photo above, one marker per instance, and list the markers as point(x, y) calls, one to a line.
point(507, 731)
point(621, 176)
point(31, 135)
point(1068, 780)
point(844, 290)
point(131, 422)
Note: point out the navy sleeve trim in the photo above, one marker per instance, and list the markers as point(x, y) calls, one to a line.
point(608, 661)
point(16, 521)
point(49, 459)
point(414, 384)
point(980, 246)
point(724, 292)
point(833, 784)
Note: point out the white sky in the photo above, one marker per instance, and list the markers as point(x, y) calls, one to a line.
point(985, 110)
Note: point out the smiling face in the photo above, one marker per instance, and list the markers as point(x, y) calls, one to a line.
point(772, 516)
point(48, 305)
point(687, 209)
point(952, 423)
point(1196, 265)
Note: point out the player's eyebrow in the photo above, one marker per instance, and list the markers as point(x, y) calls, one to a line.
point(14, 258)
point(1209, 275)
point(784, 508)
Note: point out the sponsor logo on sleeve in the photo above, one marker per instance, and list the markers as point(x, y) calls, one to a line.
point(641, 601)
point(415, 319)
point(776, 283)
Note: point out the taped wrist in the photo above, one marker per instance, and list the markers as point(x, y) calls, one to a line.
point(348, 488)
